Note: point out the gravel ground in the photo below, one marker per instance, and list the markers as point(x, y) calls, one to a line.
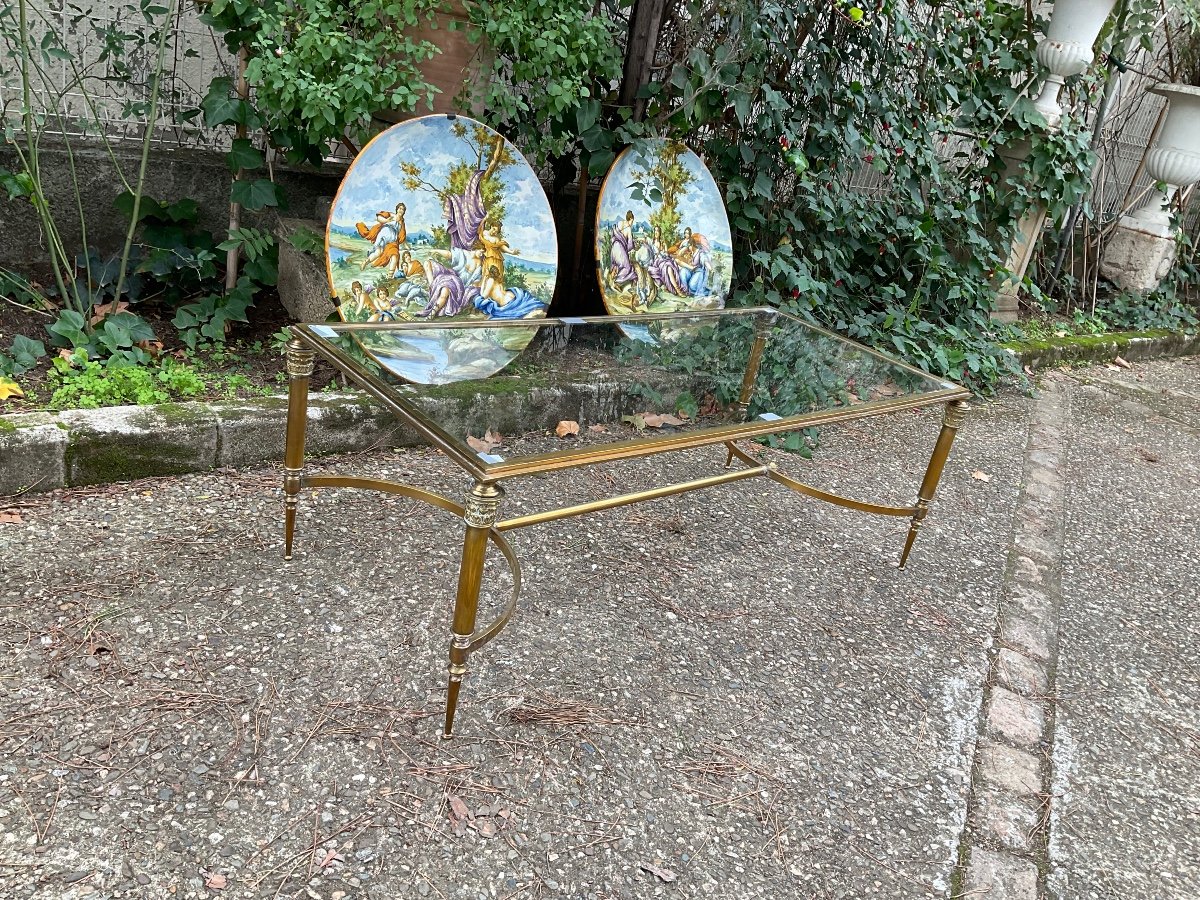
point(1127, 733)
point(1169, 387)
point(731, 693)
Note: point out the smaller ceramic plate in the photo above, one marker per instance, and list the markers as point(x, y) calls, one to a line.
point(662, 236)
point(441, 219)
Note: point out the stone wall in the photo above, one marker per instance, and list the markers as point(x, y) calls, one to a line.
point(172, 174)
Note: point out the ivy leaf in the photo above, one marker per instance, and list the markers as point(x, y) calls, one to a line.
point(586, 115)
point(599, 161)
point(25, 353)
point(18, 185)
point(243, 155)
point(220, 108)
point(741, 106)
point(139, 329)
point(185, 317)
point(69, 328)
point(255, 194)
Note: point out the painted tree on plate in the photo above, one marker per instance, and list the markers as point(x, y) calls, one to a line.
point(484, 144)
point(670, 177)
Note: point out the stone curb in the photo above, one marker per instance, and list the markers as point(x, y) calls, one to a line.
point(1005, 846)
point(44, 451)
point(1101, 348)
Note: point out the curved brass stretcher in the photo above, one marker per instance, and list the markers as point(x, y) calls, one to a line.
point(479, 513)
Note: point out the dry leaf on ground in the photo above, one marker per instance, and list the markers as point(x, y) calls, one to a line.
point(486, 444)
point(1147, 455)
point(9, 517)
point(106, 309)
point(598, 429)
point(9, 388)
point(216, 882)
point(981, 476)
point(1122, 363)
point(331, 860)
point(459, 809)
point(567, 427)
point(486, 827)
point(658, 420)
point(665, 874)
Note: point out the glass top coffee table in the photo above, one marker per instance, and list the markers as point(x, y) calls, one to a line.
point(713, 378)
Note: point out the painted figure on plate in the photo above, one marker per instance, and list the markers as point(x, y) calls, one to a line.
point(456, 197)
point(662, 239)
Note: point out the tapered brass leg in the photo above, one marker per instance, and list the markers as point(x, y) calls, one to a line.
point(299, 369)
point(956, 411)
point(762, 330)
point(480, 515)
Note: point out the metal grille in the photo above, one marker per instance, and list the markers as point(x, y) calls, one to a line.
point(93, 90)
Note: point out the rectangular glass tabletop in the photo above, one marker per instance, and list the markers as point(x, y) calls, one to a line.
point(693, 379)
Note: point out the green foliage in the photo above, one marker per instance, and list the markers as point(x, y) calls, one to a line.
point(22, 356)
point(260, 251)
point(308, 241)
point(54, 93)
point(167, 257)
point(925, 99)
point(120, 336)
point(172, 257)
point(550, 59)
point(208, 319)
point(320, 68)
point(80, 383)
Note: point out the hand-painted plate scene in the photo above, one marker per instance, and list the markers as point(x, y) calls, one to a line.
point(662, 237)
point(438, 220)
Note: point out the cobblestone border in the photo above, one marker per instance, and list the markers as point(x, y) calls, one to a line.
point(1005, 845)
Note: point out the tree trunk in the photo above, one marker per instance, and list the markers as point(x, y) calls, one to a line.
point(645, 23)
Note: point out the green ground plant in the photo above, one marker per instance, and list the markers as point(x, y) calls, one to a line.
point(78, 382)
point(167, 261)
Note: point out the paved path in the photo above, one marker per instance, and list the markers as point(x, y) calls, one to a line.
point(1127, 737)
point(732, 694)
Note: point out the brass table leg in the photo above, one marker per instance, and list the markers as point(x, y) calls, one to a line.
point(956, 411)
point(480, 515)
point(762, 330)
point(299, 369)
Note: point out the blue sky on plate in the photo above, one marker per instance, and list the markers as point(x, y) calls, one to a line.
point(701, 208)
point(375, 182)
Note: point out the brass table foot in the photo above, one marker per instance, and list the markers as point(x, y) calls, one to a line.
point(956, 411)
point(479, 513)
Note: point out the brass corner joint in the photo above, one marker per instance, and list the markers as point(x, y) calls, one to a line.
point(299, 359)
point(956, 413)
point(482, 503)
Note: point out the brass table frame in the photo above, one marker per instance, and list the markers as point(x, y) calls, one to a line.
point(482, 502)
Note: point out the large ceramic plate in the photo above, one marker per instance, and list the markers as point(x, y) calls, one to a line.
point(662, 236)
point(441, 219)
